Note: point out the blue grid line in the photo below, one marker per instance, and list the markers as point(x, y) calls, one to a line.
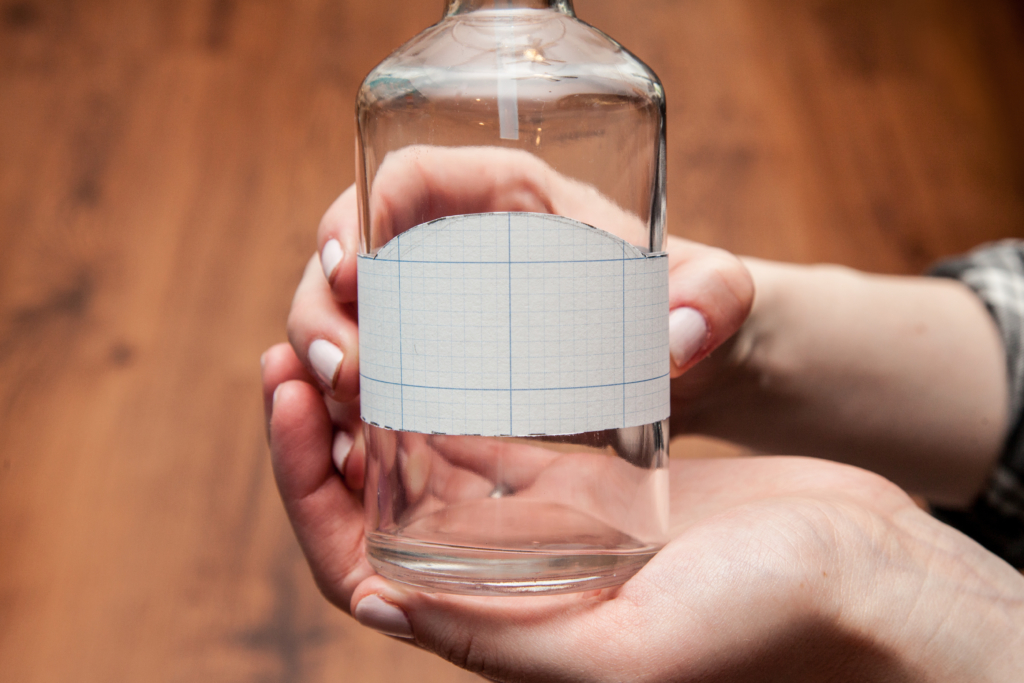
point(516, 263)
point(510, 324)
point(592, 386)
point(432, 318)
point(401, 356)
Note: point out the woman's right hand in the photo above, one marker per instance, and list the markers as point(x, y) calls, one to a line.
point(785, 569)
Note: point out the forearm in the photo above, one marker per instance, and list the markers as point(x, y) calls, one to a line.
point(903, 376)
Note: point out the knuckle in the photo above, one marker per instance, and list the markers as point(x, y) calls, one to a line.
point(295, 325)
point(464, 651)
point(729, 275)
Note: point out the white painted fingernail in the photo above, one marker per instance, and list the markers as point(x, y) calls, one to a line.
point(337, 411)
point(326, 359)
point(339, 452)
point(687, 334)
point(330, 257)
point(382, 616)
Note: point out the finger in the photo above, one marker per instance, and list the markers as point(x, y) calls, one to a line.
point(324, 335)
point(344, 415)
point(423, 183)
point(511, 465)
point(710, 295)
point(327, 517)
point(348, 452)
point(535, 638)
point(338, 245)
point(576, 478)
point(631, 444)
point(279, 364)
point(425, 474)
point(349, 449)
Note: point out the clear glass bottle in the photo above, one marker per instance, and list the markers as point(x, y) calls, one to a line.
point(513, 106)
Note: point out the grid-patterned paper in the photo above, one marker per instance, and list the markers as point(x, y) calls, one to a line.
point(512, 324)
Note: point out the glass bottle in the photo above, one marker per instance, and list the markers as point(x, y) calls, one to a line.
point(510, 111)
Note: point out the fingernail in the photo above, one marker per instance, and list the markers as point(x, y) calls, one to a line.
point(374, 612)
point(273, 400)
point(330, 257)
point(337, 411)
point(417, 472)
point(263, 360)
point(326, 359)
point(339, 452)
point(687, 333)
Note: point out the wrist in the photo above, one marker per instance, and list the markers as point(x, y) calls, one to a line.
point(898, 375)
point(724, 395)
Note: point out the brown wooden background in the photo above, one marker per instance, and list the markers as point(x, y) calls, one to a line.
point(163, 165)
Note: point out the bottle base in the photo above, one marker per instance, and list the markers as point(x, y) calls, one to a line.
point(491, 571)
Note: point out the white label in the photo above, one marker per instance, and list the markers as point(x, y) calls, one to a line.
point(512, 324)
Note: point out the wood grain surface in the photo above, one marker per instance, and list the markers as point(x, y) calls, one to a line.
point(163, 166)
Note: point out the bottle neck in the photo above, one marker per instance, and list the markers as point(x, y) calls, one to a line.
point(453, 7)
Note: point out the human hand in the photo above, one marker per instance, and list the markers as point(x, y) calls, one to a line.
point(710, 291)
point(779, 569)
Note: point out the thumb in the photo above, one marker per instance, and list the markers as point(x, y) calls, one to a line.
point(326, 516)
point(569, 637)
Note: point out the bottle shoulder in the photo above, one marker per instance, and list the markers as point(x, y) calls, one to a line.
point(549, 55)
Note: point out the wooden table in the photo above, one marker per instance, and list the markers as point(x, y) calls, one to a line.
point(163, 165)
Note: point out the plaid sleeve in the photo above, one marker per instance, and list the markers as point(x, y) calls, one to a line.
point(996, 520)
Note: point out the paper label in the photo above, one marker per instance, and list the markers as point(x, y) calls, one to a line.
point(512, 324)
